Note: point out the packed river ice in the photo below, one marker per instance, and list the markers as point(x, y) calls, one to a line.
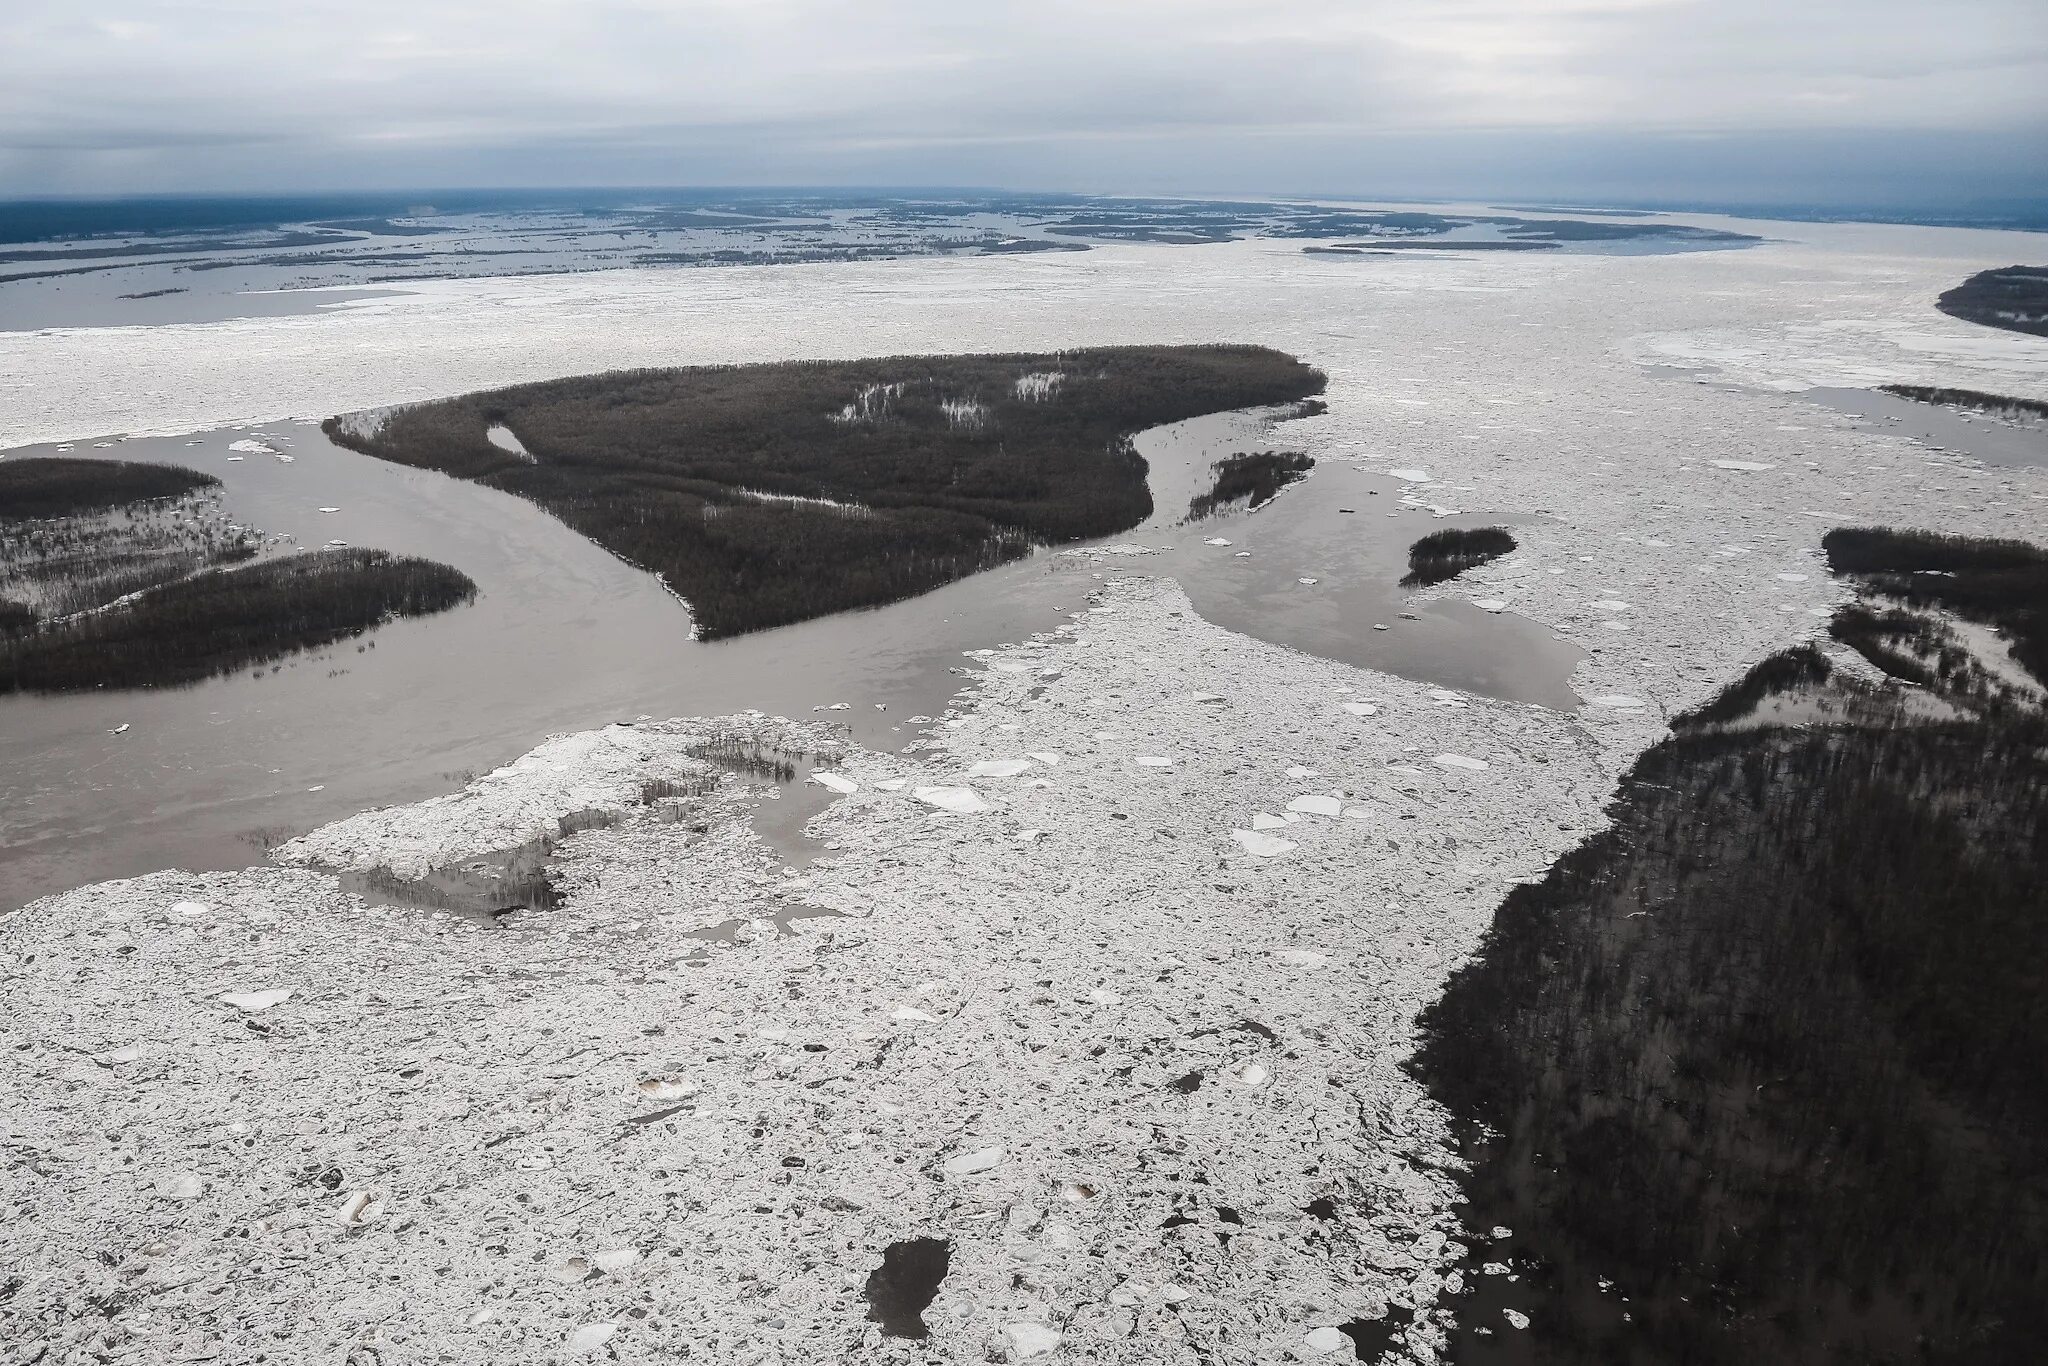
point(1153, 841)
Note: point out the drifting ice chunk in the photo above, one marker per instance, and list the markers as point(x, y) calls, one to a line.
point(1297, 771)
point(1518, 1320)
point(1023, 1341)
point(1215, 540)
point(1254, 1074)
point(590, 1337)
point(1152, 761)
point(1326, 1339)
point(1262, 821)
point(1792, 578)
point(1046, 757)
point(1610, 605)
point(913, 1013)
point(999, 768)
point(964, 801)
point(614, 1258)
point(252, 447)
point(1301, 958)
point(184, 1186)
point(1316, 806)
point(1261, 844)
point(1620, 701)
point(890, 784)
point(360, 1208)
point(1361, 709)
point(330, 509)
point(253, 1001)
point(1412, 476)
point(836, 782)
point(967, 1164)
point(1740, 465)
point(1490, 605)
point(1460, 761)
point(1308, 581)
point(667, 1088)
point(121, 729)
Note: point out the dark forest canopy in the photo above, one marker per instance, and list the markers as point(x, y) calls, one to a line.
point(224, 619)
point(2015, 298)
point(1752, 1076)
point(52, 486)
point(769, 494)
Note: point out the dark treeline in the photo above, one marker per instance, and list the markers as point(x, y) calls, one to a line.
point(2014, 298)
point(1999, 583)
point(52, 486)
point(1258, 476)
point(1753, 1076)
point(2003, 404)
point(933, 467)
point(1446, 554)
point(223, 620)
point(1766, 1057)
point(1803, 666)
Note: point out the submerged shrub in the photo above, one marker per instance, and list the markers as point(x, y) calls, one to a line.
point(226, 619)
point(53, 486)
point(1257, 477)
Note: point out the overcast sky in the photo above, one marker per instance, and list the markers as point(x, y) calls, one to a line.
point(1845, 99)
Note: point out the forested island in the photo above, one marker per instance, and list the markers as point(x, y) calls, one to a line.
point(117, 574)
point(2014, 298)
point(1443, 555)
point(770, 494)
point(1753, 1076)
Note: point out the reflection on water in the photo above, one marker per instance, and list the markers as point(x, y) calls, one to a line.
point(564, 637)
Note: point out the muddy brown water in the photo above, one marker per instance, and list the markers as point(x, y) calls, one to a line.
point(565, 637)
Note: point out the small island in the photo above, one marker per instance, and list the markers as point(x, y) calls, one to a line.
point(1443, 555)
point(771, 494)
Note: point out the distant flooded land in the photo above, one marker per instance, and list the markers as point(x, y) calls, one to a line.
point(771, 494)
point(97, 262)
point(2014, 298)
point(1751, 1076)
point(123, 575)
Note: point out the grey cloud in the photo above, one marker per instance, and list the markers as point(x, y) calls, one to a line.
point(1233, 91)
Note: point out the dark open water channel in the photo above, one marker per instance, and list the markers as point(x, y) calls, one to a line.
point(564, 637)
